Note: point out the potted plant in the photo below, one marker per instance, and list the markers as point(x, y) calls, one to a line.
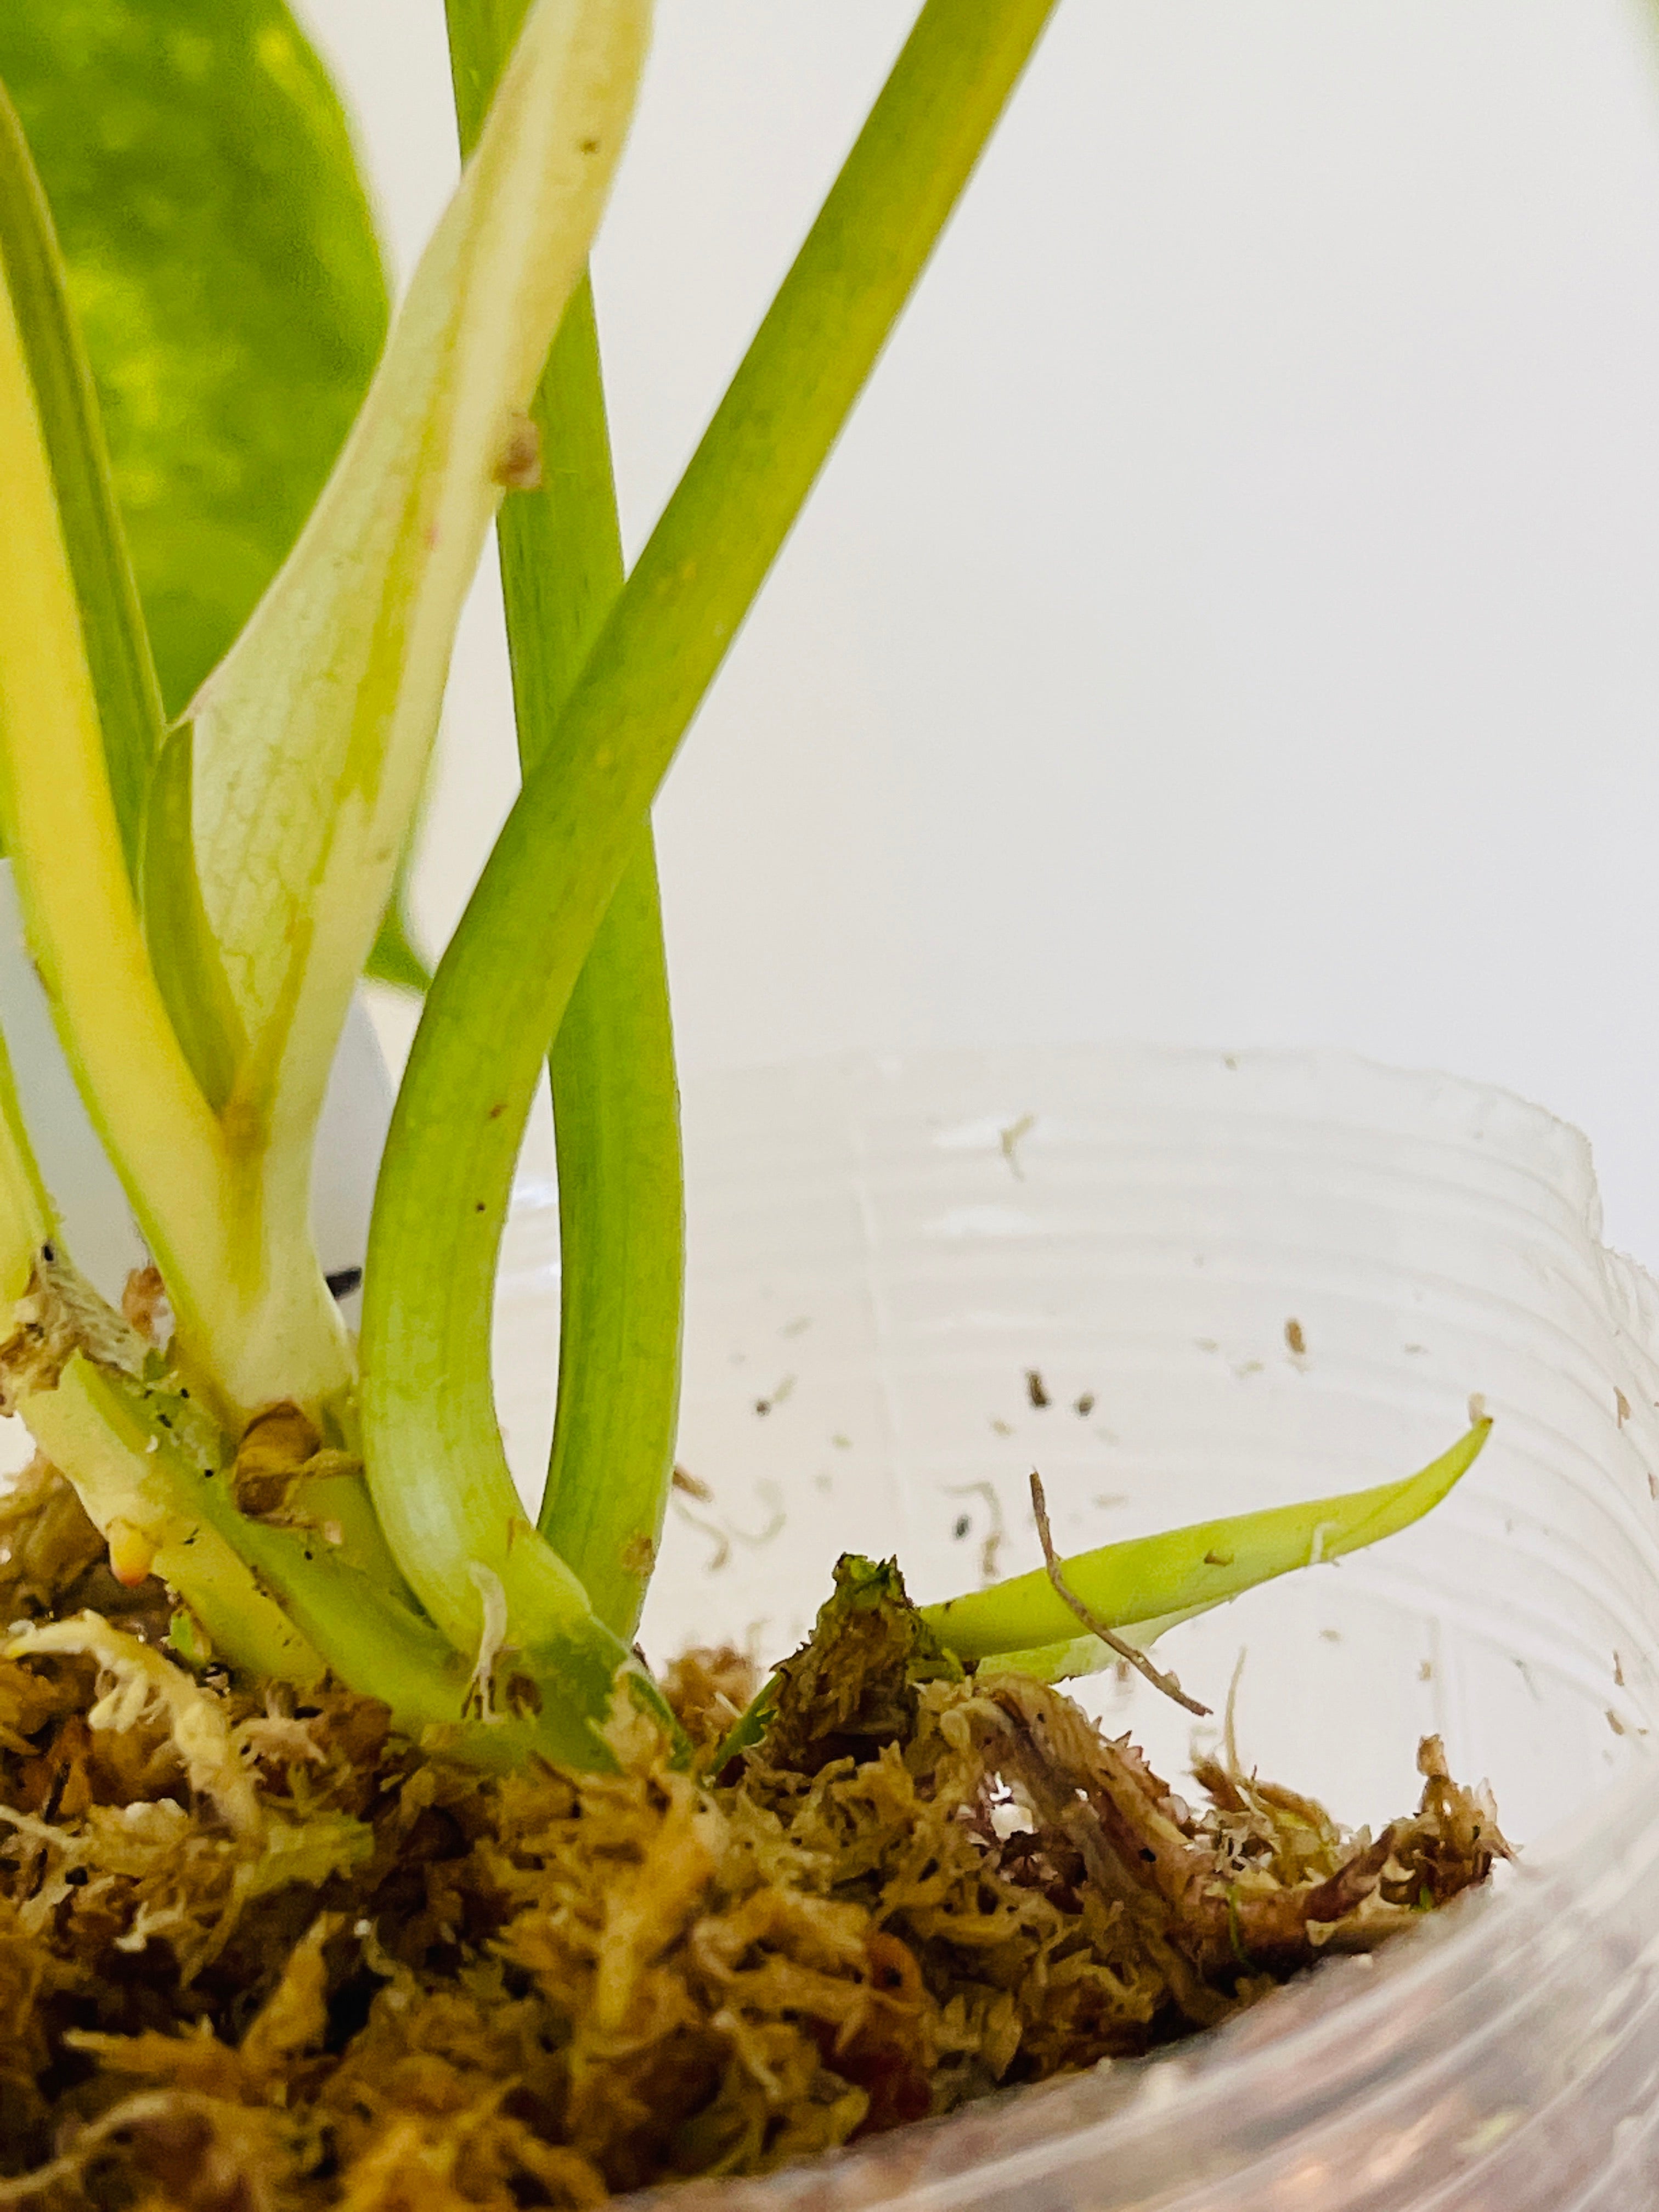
point(362, 1845)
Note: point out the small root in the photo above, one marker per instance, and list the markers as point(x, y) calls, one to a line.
point(1126, 1651)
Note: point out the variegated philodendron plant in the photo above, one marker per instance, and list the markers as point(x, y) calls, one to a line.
point(200, 895)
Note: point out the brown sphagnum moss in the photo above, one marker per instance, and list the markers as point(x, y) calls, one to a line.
point(537, 1928)
point(260, 1953)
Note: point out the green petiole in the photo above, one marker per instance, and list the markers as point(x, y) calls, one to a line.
point(615, 1098)
point(200, 902)
point(1148, 1584)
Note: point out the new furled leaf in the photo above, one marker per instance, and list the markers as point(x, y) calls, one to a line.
point(1146, 1585)
point(222, 264)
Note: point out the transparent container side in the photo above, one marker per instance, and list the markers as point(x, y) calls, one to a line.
point(1180, 1284)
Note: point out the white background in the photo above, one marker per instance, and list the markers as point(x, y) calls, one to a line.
point(1230, 617)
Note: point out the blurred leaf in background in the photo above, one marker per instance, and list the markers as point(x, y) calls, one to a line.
point(223, 262)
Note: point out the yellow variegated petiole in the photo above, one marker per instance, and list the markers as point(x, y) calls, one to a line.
point(58, 801)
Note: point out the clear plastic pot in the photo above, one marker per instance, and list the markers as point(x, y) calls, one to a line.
point(1234, 1280)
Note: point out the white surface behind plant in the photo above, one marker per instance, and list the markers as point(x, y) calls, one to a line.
point(1229, 616)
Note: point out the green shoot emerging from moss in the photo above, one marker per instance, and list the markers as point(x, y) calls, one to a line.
point(201, 896)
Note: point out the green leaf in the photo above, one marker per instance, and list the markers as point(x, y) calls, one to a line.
point(222, 260)
point(506, 981)
point(616, 1100)
point(182, 950)
point(1144, 1586)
